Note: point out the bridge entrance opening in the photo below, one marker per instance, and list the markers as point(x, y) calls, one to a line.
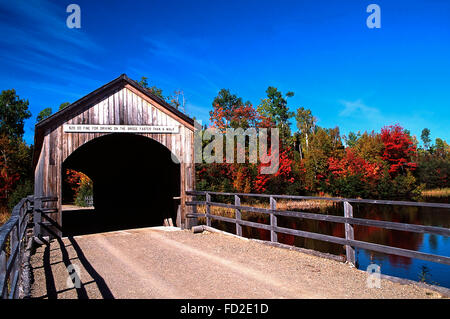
point(134, 181)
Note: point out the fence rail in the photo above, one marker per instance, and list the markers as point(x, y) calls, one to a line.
point(13, 238)
point(14, 235)
point(348, 220)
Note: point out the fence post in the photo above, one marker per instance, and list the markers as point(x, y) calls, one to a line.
point(273, 220)
point(349, 234)
point(26, 219)
point(191, 222)
point(37, 218)
point(208, 209)
point(237, 202)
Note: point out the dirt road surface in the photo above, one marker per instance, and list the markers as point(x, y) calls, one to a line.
point(156, 263)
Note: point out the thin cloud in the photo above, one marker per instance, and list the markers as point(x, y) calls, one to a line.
point(43, 19)
point(42, 40)
point(359, 109)
point(192, 52)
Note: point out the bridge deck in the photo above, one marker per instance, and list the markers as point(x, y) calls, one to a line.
point(152, 263)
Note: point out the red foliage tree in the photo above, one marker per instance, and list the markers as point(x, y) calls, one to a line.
point(399, 149)
point(351, 164)
point(8, 177)
point(282, 177)
point(239, 115)
point(7, 181)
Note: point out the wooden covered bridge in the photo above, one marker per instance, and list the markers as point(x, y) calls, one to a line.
point(135, 147)
point(138, 150)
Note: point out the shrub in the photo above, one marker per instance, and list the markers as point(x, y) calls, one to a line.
point(22, 190)
point(85, 190)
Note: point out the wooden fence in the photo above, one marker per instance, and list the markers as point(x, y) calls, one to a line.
point(348, 220)
point(14, 236)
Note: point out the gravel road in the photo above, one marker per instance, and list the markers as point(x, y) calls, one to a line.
point(155, 263)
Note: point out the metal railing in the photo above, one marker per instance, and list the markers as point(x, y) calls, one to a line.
point(348, 220)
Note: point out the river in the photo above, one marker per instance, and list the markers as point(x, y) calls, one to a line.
point(403, 267)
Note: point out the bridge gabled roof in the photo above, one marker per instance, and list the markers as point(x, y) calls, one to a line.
point(94, 97)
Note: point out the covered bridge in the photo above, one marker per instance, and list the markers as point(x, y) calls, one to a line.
point(136, 148)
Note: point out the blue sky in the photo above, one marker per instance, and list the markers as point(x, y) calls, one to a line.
point(348, 75)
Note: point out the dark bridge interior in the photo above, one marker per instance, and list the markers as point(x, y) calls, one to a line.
point(134, 181)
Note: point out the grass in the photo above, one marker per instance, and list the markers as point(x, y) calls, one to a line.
point(281, 205)
point(4, 214)
point(438, 192)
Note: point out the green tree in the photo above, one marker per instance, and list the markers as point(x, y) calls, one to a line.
point(177, 99)
point(63, 105)
point(441, 148)
point(275, 107)
point(336, 142)
point(316, 159)
point(15, 165)
point(425, 137)
point(370, 147)
point(44, 114)
point(13, 113)
point(433, 171)
point(152, 89)
point(306, 123)
point(324, 143)
point(352, 139)
point(229, 110)
point(21, 159)
point(22, 190)
point(15, 155)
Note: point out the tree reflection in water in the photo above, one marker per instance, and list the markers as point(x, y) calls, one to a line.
point(396, 265)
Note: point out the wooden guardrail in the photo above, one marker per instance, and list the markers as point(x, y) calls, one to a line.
point(14, 235)
point(43, 206)
point(13, 238)
point(348, 220)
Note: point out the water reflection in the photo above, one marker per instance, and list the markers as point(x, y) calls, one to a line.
point(390, 264)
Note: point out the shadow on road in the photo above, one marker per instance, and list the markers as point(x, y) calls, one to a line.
point(52, 292)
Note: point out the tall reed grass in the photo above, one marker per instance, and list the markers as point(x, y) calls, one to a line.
point(438, 192)
point(281, 205)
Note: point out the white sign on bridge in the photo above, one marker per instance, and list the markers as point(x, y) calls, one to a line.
point(88, 128)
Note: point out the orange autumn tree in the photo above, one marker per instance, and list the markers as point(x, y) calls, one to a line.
point(79, 183)
point(242, 177)
point(229, 111)
point(314, 160)
point(73, 179)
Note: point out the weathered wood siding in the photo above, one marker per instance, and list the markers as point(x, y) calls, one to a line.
point(125, 106)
